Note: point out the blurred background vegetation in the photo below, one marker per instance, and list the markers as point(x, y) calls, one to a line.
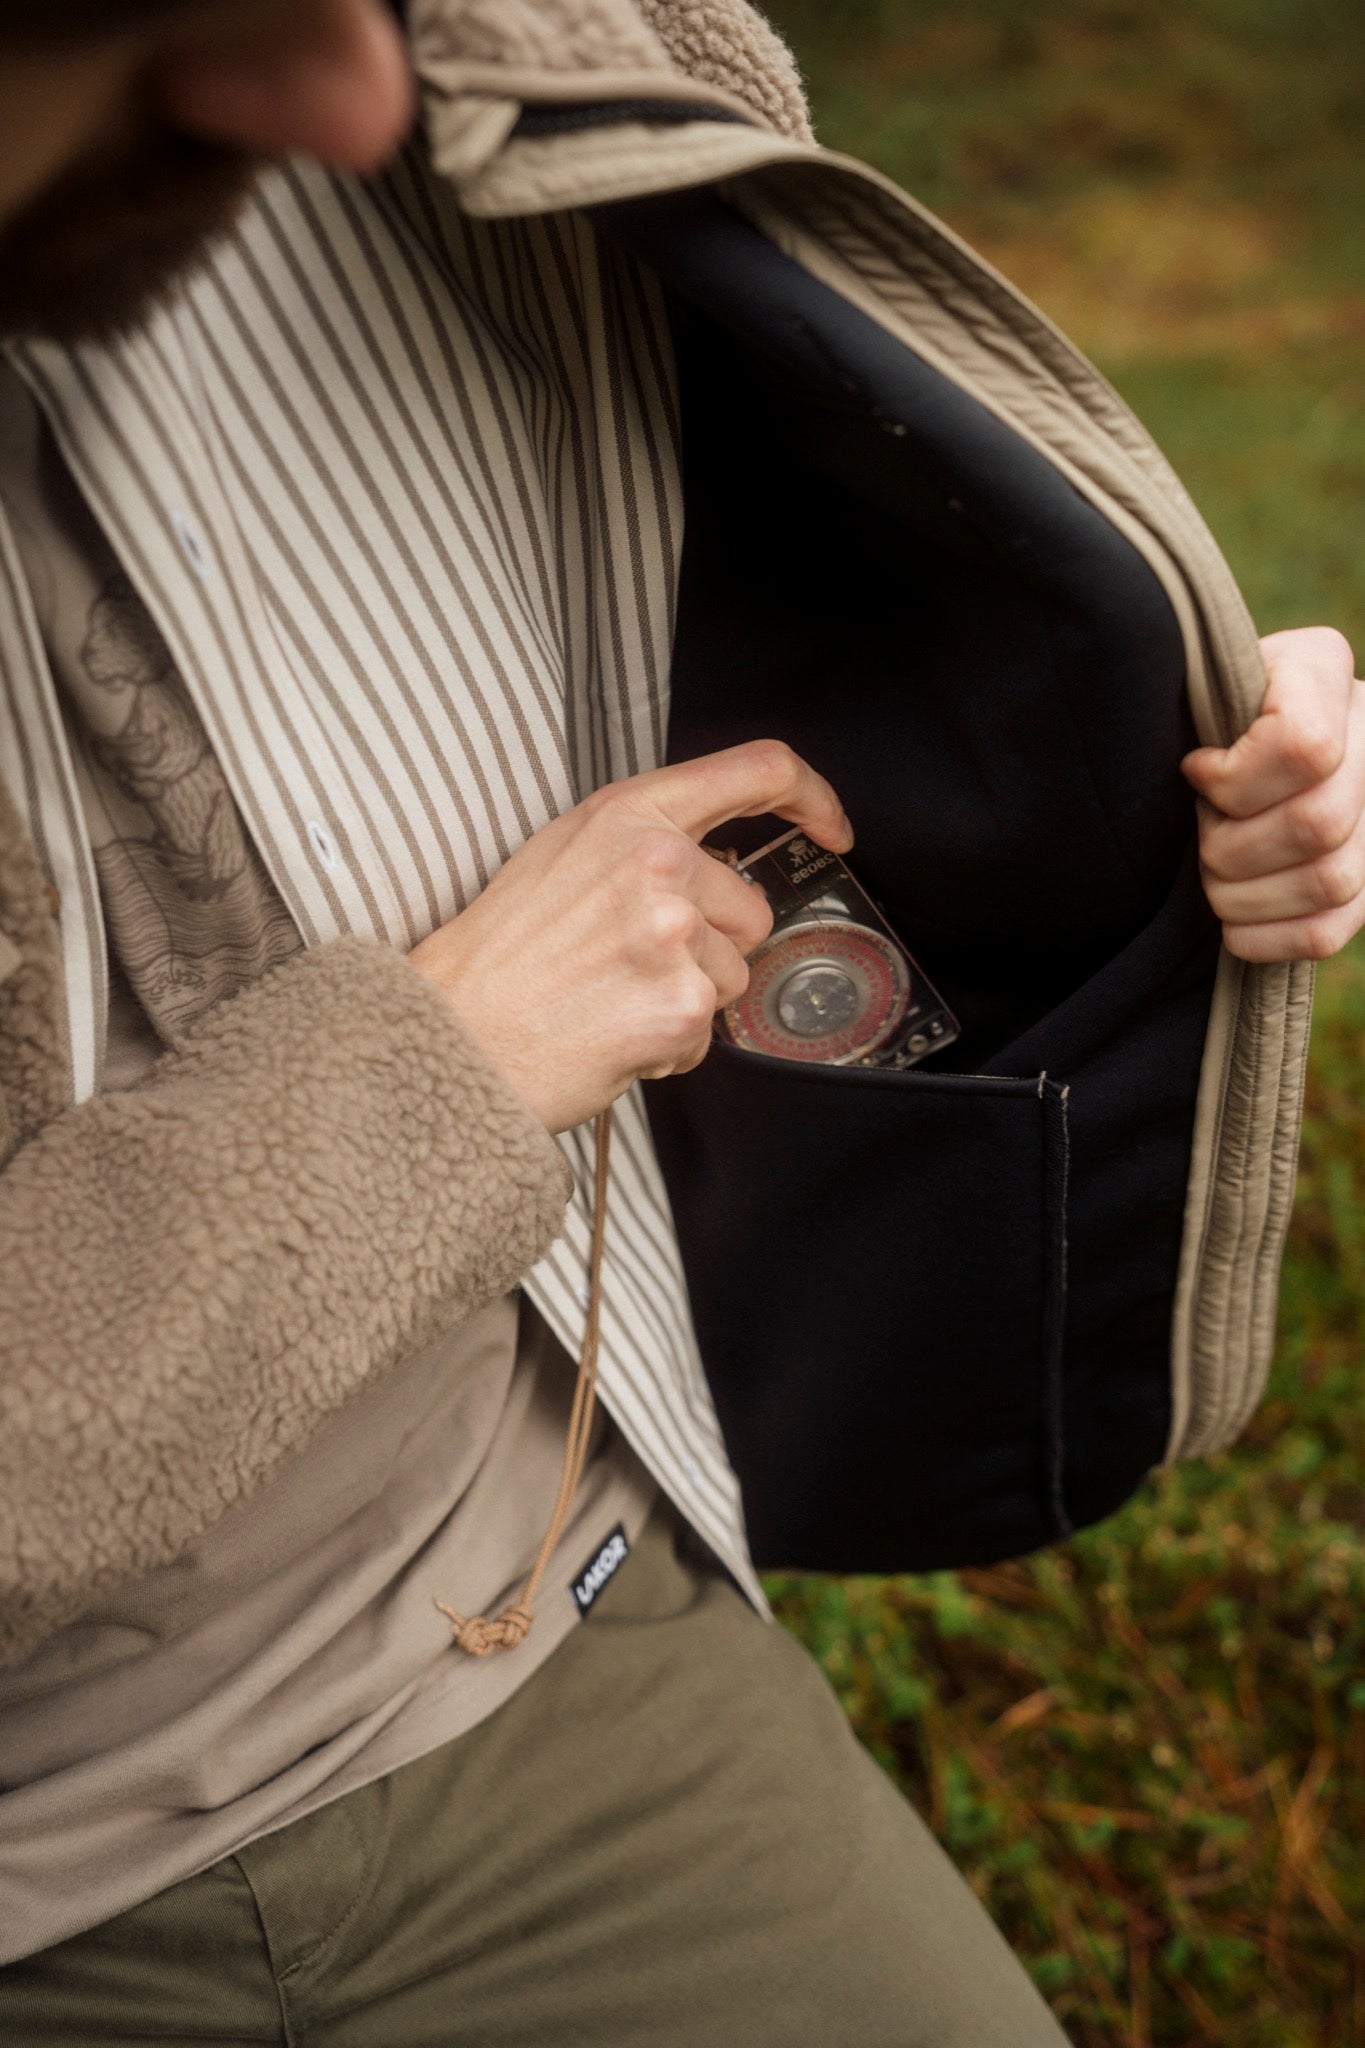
point(1147, 1748)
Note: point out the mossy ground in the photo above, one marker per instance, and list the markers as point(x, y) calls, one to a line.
point(1147, 1748)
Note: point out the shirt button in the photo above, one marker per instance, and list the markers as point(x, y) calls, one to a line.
point(323, 844)
point(692, 1471)
point(192, 545)
point(584, 1297)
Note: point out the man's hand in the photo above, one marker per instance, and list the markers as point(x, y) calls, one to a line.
point(1282, 811)
point(600, 954)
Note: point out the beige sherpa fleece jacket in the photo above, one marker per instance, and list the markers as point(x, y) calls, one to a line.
point(195, 1275)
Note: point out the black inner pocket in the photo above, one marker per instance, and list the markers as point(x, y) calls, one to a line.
point(878, 1269)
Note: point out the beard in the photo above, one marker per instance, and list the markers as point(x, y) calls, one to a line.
point(110, 237)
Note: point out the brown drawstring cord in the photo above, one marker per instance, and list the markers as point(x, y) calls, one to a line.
point(479, 1633)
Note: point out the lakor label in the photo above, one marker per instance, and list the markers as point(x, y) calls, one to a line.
point(600, 1570)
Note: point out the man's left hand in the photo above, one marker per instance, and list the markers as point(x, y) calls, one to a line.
point(1282, 811)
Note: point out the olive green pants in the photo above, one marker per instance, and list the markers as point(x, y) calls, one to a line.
point(668, 1838)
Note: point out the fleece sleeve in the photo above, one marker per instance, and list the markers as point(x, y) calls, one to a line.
point(196, 1274)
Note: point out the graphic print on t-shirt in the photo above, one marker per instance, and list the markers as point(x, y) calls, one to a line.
point(192, 911)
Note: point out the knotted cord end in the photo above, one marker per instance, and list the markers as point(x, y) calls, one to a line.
point(476, 1634)
point(480, 1634)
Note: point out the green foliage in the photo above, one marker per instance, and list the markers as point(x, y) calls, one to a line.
point(1274, 453)
point(1147, 1749)
point(1000, 105)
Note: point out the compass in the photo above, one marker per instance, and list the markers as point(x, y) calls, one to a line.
point(828, 991)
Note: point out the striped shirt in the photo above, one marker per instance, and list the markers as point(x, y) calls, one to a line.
point(401, 491)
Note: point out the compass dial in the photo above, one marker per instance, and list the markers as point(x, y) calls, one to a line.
point(826, 991)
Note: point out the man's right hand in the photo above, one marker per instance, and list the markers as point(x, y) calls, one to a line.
point(600, 954)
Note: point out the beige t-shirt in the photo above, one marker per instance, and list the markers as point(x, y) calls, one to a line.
point(295, 1651)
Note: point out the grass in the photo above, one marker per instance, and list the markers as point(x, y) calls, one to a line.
point(1147, 1748)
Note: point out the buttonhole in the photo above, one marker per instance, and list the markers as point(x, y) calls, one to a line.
point(324, 846)
point(191, 544)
